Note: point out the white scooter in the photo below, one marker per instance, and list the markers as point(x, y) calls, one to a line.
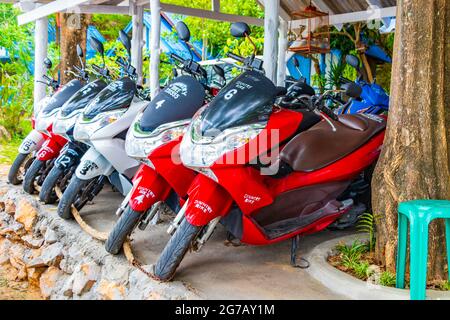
point(103, 125)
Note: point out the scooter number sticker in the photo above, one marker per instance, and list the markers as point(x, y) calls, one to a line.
point(230, 94)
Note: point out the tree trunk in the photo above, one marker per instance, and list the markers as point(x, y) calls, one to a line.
point(415, 161)
point(73, 32)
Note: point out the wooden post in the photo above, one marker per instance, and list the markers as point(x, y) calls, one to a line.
point(155, 9)
point(137, 41)
point(271, 23)
point(282, 48)
point(40, 53)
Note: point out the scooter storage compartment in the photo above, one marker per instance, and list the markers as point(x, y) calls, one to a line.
point(299, 208)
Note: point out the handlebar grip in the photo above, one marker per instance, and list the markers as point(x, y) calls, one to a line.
point(177, 57)
point(235, 57)
point(330, 113)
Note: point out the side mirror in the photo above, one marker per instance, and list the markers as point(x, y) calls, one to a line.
point(48, 63)
point(125, 40)
point(183, 31)
point(240, 30)
point(352, 61)
point(352, 90)
point(79, 51)
point(98, 46)
point(219, 71)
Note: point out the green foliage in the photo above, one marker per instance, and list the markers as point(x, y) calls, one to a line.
point(361, 269)
point(9, 150)
point(367, 224)
point(387, 279)
point(109, 25)
point(215, 33)
point(16, 80)
point(335, 73)
point(351, 255)
point(320, 81)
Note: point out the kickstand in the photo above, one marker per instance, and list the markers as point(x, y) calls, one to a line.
point(304, 264)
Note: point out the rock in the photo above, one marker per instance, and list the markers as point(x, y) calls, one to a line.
point(50, 236)
point(51, 256)
point(5, 244)
point(67, 287)
point(49, 280)
point(10, 207)
point(3, 191)
point(85, 277)
point(114, 271)
point(2, 206)
point(26, 214)
point(32, 242)
point(108, 290)
point(34, 275)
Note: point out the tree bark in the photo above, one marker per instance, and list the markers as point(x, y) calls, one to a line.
point(73, 32)
point(415, 161)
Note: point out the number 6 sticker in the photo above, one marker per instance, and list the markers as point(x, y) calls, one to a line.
point(230, 94)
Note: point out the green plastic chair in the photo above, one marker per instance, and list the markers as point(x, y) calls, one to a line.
point(419, 213)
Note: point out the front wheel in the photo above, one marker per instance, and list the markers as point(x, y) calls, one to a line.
point(18, 168)
point(48, 194)
point(122, 229)
point(32, 173)
point(175, 250)
point(78, 193)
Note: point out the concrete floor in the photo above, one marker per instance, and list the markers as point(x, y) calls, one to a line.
point(219, 271)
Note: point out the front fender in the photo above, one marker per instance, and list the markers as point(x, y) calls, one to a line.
point(50, 149)
point(148, 188)
point(92, 165)
point(207, 201)
point(69, 156)
point(33, 141)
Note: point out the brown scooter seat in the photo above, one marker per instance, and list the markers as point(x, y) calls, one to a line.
point(321, 146)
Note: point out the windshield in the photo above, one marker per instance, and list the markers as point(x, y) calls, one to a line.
point(178, 101)
point(116, 95)
point(247, 99)
point(60, 97)
point(81, 99)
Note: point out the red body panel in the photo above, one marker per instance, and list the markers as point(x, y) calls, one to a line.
point(252, 191)
point(207, 201)
point(148, 188)
point(169, 174)
point(51, 147)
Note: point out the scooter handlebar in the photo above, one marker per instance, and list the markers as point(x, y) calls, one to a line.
point(236, 57)
point(177, 57)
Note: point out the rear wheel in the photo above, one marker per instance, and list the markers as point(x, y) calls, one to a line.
point(48, 193)
point(19, 167)
point(175, 250)
point(122, 229)
point(32, 173)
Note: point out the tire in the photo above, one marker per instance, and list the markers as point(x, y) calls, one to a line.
point(175, 250)
point(69, 197)
point(13, 174)
point(48, 194)
point(32, 173)
point(122, 229)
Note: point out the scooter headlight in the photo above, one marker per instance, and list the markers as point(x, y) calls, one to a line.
point(63, 124)
point(84, 128)
point(139, 144)
point(201, 152)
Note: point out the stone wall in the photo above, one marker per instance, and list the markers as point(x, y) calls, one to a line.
point(64, 262)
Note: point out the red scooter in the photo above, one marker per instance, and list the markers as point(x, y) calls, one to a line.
point(154, 139)
point(259, 195)
point(53, 143)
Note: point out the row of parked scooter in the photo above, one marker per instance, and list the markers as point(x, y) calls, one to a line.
point(269, 163)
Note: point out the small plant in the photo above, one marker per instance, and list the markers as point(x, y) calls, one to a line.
point(334, 75)
point(366, 224)
point(351, 255)
point(387, 279)
point(361, 269)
